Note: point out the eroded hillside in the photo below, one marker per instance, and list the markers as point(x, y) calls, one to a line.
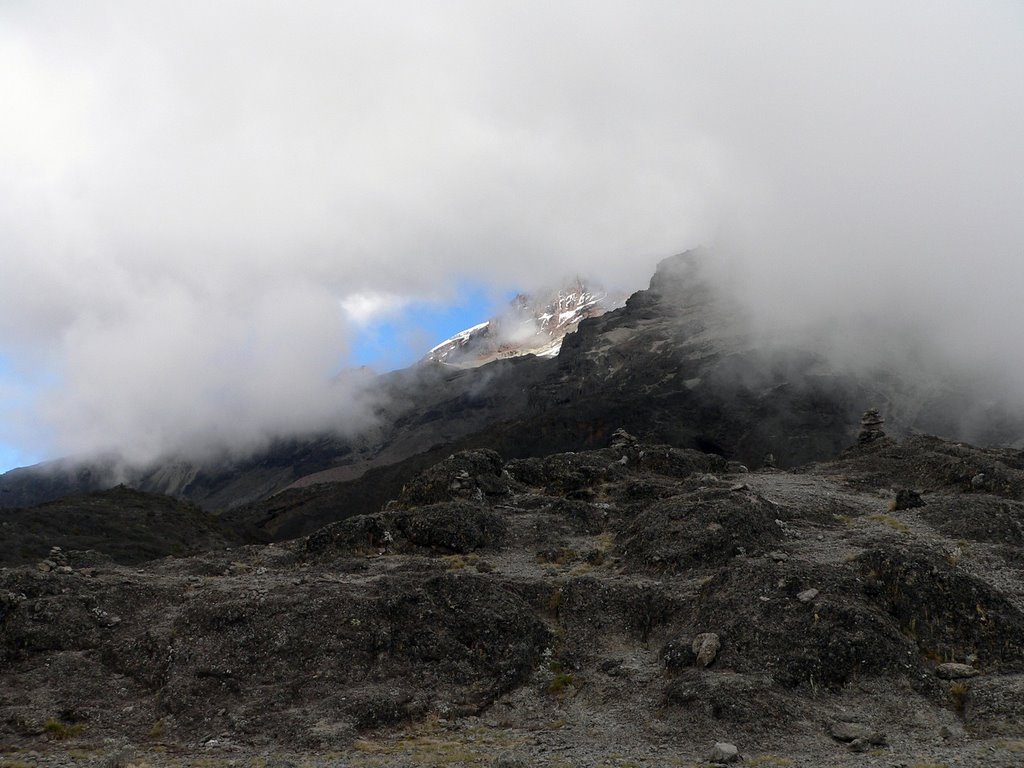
point(631, 605)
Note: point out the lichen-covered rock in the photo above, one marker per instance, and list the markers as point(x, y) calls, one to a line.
point(472, 475)
point(699, 530)
point(951, 670)
point(728, 696)
point(987, 518)
point(457, 639)
point(995, 705)
point(705, 648)
point(448, 527)
point(824, 644)
point(947, 611)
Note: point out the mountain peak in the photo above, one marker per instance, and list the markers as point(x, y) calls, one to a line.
point(532, 324)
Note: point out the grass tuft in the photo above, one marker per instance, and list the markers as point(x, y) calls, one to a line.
point(895, 523)
point(59, 731)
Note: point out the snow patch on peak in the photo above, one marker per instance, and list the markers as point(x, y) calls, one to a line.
point(459, 338)
point(530, 326)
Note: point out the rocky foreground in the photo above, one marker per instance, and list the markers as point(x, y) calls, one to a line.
point(636, 605)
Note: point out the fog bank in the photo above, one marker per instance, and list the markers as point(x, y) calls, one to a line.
point(194, 196)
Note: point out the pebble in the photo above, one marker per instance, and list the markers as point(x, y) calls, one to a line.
point(807, 595)
point(706, 646)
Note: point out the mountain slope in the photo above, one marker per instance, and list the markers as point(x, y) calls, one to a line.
point(630, 605)
point(677, 364)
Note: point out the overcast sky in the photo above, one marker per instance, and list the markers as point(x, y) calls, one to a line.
point(203, 205)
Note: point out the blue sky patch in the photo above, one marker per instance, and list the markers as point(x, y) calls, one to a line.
point(403, 337)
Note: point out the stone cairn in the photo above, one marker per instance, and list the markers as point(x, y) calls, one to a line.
point(621, 439)
point(870, 426)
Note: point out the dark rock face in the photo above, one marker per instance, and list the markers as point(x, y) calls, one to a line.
point(677, 366)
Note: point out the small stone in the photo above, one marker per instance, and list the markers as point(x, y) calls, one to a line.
point(844, 731)
point(724, 752)
point(706, 646)
point(105, 619)
point(978, 481)
point(907, 499)
point(954, 671)
point(952, 732)
point(778, 557)
point(45, 566)
point(65, 569)
point(807, 595)
point(859, 745)
point(849, 732)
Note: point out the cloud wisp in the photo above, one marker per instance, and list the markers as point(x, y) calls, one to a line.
point(198, 200)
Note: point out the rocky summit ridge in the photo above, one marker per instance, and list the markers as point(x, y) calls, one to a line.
point(530, 325)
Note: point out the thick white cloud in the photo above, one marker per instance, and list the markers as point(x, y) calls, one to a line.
point(191, 192)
